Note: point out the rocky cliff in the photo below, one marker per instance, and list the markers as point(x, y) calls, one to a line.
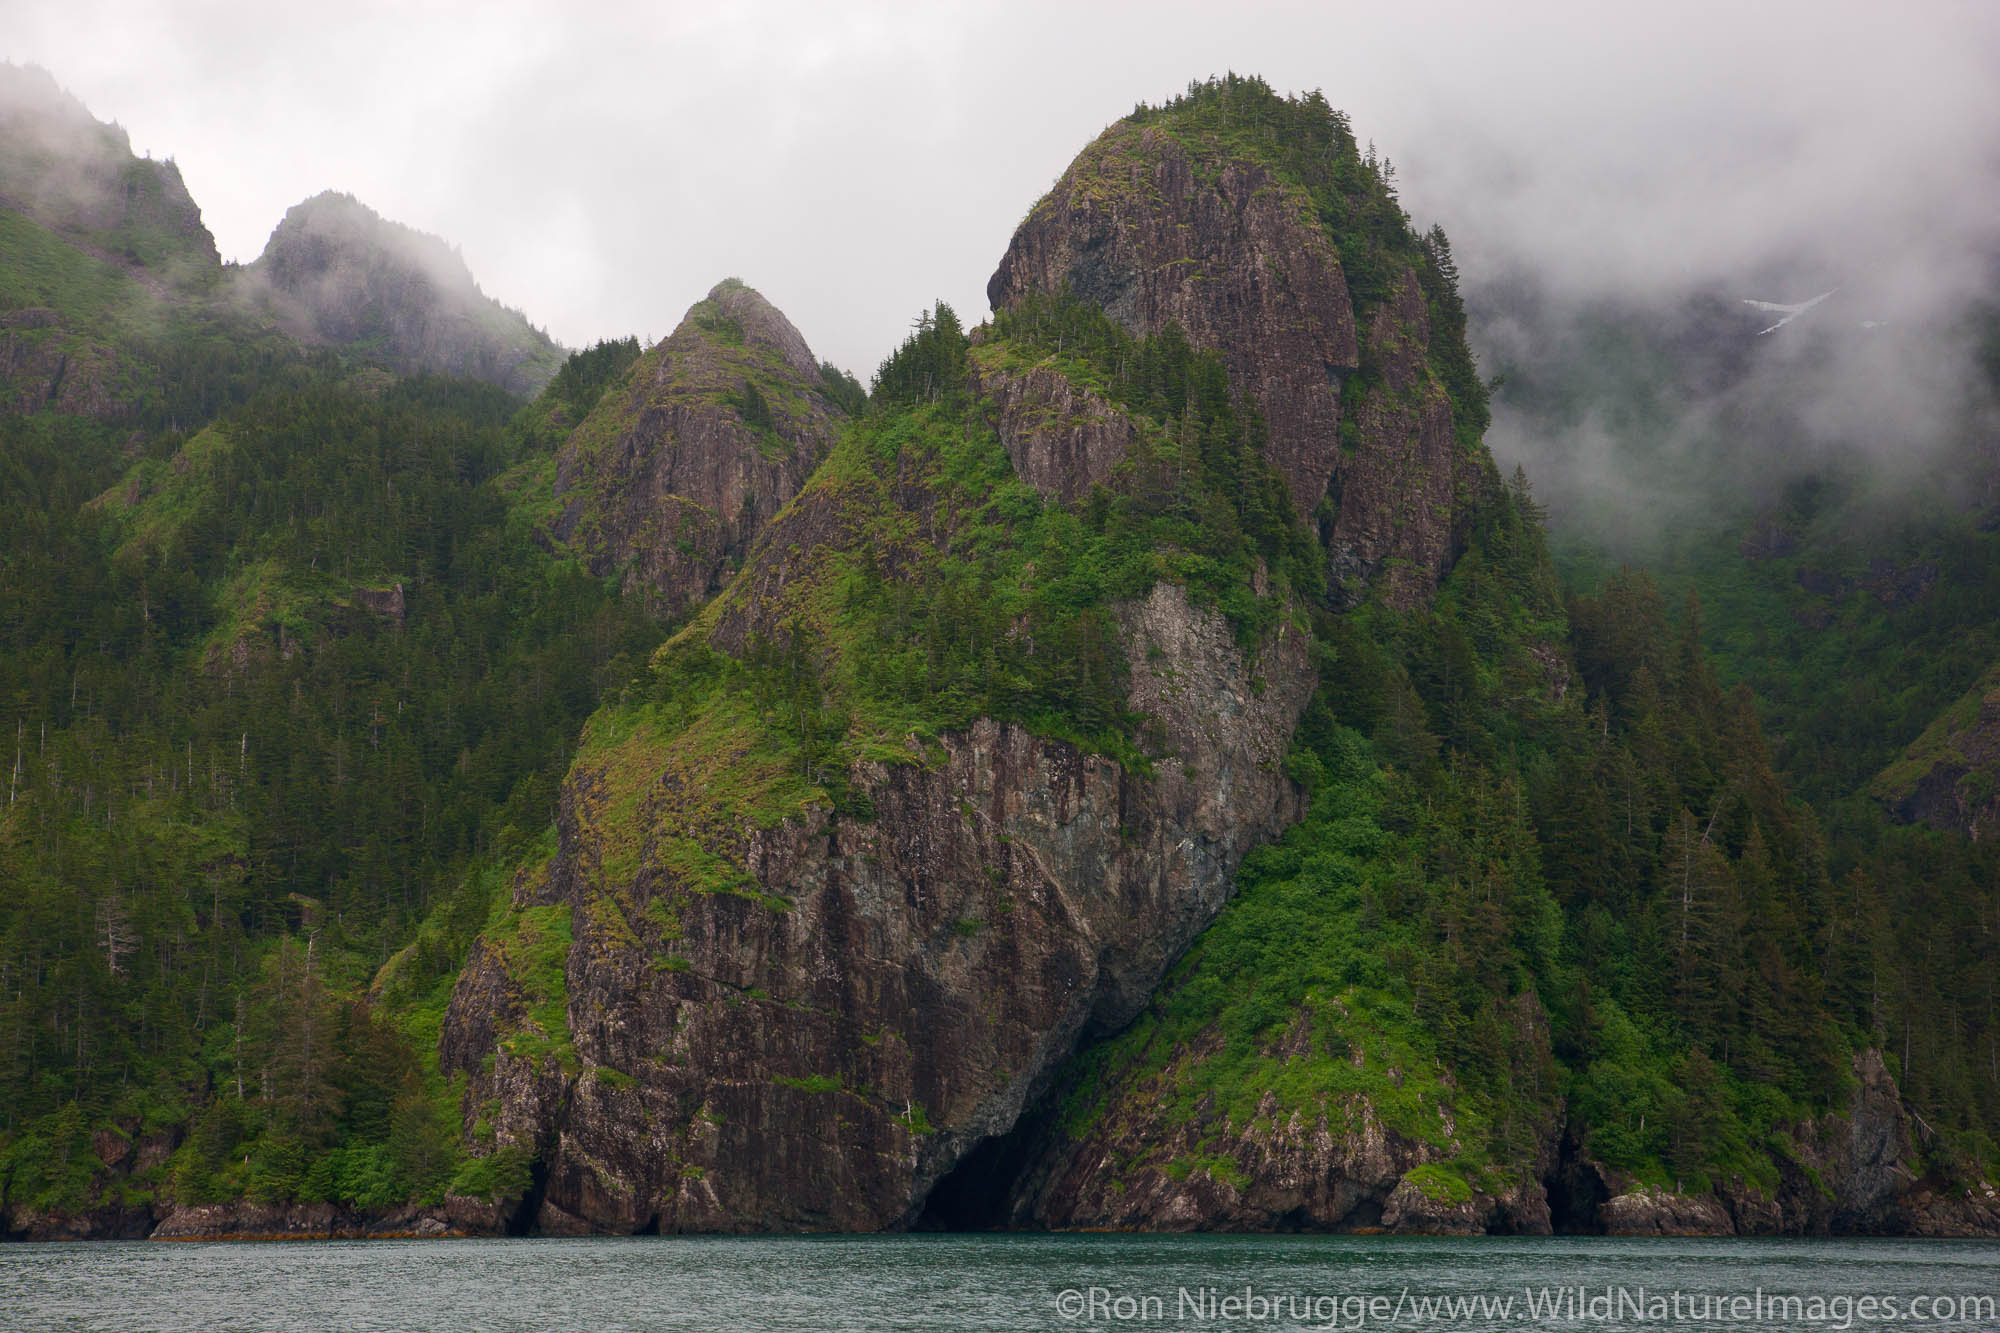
point(336, 272)
point(794, 1018)
point(1857, 1170)
point(799, 952)
point(686, 459)
point(1314, 1150)
point(1338, 1164)
point(1163, 223)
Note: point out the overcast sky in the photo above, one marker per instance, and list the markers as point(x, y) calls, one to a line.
point(602, 165)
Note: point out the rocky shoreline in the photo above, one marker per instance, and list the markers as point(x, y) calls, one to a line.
point(1932, 1211)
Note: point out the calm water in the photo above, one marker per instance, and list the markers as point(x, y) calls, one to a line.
point(871, 1284)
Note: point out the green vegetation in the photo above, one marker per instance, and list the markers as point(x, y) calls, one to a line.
point(246, 776)
point(292, 678)
point(1483, 857)
point(40, 269)
point(1854, 596)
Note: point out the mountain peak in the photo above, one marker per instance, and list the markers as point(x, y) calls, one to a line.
point(76, 175)
point(336, 271)
point(1253, 224)
point(735, 311)
point(334, 228)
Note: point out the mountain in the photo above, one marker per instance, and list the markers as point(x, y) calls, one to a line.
point(1825, 492)
point(1138, 766)
point(63, 169)
point(114, 303)
point(1337, 323)
point(694, 450)
point(822, 875)
point(336, 272)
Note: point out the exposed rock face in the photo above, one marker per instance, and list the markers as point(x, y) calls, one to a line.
point(815, 1047)
point(387, 603)
point(1221, 248)
point(1397, 516)
point(1156, 234)
point(1849, 1173)
point(670, 477)
point(1949, 777)
point(1062, 439)
point(1334, 1168)
point(336, 272)
point(1657, 1212)
point(300, 1221)
point(1770, 538)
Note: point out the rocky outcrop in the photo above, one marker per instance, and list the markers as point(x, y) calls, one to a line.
point(302, 1221)
point(1333, 1167)
point(388, 603)
point(813, 1039)
point(336, 272)
point(1771, 537)
point(1949, 777)
point(685, 460)
point(1890, 584)
point(1656, 1212)
point(1062, 438)
point(1146, 1159)
point(1853, 1172)
point(1157, 235)
point(1160, 233)
point(1395, 513)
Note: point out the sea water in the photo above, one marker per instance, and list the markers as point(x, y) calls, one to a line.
point(1006, 1281)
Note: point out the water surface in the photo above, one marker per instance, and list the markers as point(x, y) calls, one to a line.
point(872, 1284)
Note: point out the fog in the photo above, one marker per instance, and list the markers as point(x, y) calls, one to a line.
point(601, 166)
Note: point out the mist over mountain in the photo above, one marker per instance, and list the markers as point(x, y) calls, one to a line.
point(337, 272)
point(334, 274)
point(78, 176)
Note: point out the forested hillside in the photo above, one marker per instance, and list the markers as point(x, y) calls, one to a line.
point(1844, 563)
point(1138, 765)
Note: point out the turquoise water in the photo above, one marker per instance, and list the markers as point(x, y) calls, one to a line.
point(993, 1282)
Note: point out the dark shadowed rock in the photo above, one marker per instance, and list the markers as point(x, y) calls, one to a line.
point(1769, 538)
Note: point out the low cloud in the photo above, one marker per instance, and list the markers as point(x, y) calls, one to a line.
point(601, 166)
